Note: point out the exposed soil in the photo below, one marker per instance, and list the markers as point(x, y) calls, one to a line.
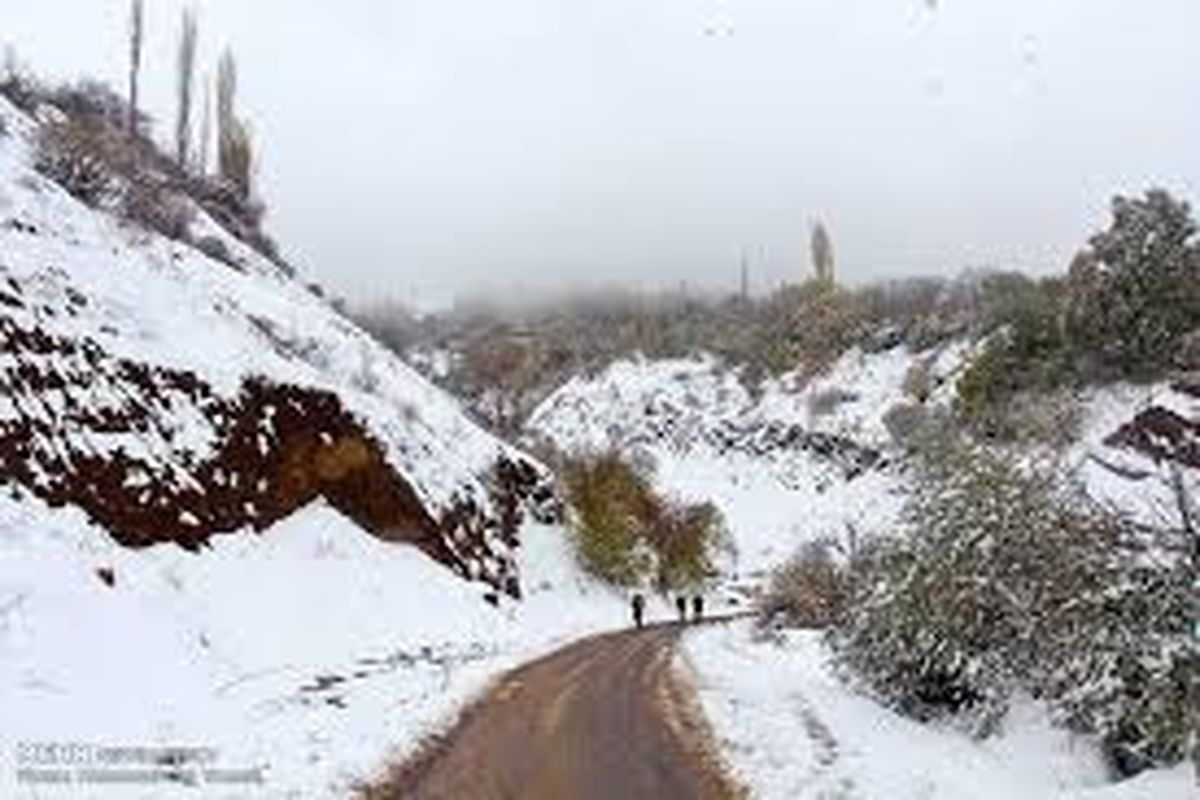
point(80, 426)
point(1161, 434)
point(603, 718)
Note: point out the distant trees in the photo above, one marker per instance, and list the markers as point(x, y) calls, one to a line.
point(136, 27)
point(185, 78)
point(205, 130)
point(1124, 310)
point(506, 369)
point(235, 153)
point(94, 147)
point(821, 248)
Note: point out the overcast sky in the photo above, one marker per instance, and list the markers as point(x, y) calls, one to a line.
point(436, 146)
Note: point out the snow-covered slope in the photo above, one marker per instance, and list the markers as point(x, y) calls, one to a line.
point(810, 458)
point(792, 730)
point(302, 660)
point(172, 396)
point(152, 398)
point(799, 462)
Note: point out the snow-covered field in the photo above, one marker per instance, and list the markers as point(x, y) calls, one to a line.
point(313, 652)
point(791, 730)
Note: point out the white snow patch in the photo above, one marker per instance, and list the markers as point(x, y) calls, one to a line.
point(791, 730)
point(312, 650)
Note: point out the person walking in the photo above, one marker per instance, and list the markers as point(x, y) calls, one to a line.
point(639, 609)
point(697, 607)
point(681, 607)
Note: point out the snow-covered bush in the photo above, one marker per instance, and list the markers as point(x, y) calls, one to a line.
point(78, 156)
point(1006, 582)
point(807, 591)
point(1134, 293)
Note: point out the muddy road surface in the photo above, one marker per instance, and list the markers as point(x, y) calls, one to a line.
point(605, 718)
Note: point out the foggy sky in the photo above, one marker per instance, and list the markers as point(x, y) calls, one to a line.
point(432, 146)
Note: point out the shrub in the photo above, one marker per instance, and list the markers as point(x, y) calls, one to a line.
point(918, 380)
point(1007, 582)
point(810, 590)
point(214, 247)
point(826, 401)
point(905, 421)
point(684, 538)
point(627, 535)
point(79, 155)
point(145, 201)
point(611, 503)
point(1135, 291)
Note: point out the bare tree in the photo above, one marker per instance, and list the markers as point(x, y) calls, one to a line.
point(136, 30)
point(186, 70)
point(205, 129)
point(822, 253)
point(234, 152)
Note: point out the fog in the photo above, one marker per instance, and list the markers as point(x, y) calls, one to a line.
point(419, 149)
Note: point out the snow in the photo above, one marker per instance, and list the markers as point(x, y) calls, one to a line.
point(790, 729)
point(708, 439)
point(320, 653)
point(313, 650)
point(166, 304)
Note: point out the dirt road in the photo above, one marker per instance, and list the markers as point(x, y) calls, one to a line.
point(601, 719)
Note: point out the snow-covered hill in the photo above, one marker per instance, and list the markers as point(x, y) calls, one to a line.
point(157, 408)
point(813, 457)
point(172, 396)
point(793, 464)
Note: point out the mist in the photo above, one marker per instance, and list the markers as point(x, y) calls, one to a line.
point(427, 149)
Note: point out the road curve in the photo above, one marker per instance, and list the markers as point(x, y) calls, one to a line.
point(600, 719)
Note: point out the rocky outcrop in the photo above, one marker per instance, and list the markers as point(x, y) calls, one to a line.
point(1161, 434)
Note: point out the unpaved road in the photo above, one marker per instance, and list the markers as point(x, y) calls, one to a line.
point(602, 719)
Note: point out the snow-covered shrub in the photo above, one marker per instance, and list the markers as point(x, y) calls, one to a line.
point(1007, 582)
point(918, 380)
point(147, 202)
point(215, 248)
point(808, 591)
point(904, 421)
point(78, 156)
point(826, 401)
point(1134, 293)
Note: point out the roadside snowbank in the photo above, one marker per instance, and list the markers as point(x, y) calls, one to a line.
point(313, 651)
point(791, 730)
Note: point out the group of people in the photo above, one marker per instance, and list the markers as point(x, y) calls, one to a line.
point(681, 606)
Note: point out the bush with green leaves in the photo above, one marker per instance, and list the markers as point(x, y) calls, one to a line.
point(1006, 582)
point(1125, 310)
point(1134, 293)
point(627, 534)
